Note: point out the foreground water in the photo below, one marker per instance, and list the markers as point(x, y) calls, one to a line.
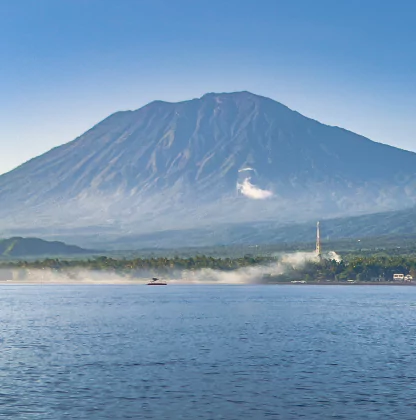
point(207, 352)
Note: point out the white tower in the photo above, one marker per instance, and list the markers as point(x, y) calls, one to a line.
point(318, 241)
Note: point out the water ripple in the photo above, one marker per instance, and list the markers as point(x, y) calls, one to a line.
point(214, 352)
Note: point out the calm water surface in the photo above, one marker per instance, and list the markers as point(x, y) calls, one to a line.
point(207, 352)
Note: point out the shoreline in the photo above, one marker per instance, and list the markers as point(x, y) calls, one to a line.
point(143, 282)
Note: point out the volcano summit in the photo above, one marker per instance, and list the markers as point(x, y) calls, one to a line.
point(183, 165)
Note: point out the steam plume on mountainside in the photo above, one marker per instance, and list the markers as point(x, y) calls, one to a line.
point(246, 169)
point(251, 191)
point(248, 189)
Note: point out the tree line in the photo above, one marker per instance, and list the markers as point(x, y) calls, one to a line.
point(352, 267)
point(356, 268)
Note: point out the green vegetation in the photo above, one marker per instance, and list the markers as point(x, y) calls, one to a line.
point(137, 266)
point(359, 268)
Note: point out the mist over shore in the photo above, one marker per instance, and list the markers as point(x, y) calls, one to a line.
point(244, 275)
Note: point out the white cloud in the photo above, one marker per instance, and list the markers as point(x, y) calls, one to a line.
point(251, 191)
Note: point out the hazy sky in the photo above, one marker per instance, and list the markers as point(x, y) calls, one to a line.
point(67, 64)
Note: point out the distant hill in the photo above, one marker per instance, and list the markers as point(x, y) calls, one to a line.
point(389, 227)
point(33, 247)
point(219, 159)
point(384, 228)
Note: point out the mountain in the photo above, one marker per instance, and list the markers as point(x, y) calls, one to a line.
point(222, 158)
point(395, 227)
point(388, 229)
point(34, 247)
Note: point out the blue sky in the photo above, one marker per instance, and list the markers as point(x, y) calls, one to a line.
point(67, 64)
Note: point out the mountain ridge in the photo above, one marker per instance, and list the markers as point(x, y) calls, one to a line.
point(34, 247)
point(173, 164)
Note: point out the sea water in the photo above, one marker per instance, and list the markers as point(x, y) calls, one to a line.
point(207, 352)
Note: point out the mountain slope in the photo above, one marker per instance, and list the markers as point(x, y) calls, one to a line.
point(28, 247)
point(397, 224)
point(395, 228)
point(170, 165)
